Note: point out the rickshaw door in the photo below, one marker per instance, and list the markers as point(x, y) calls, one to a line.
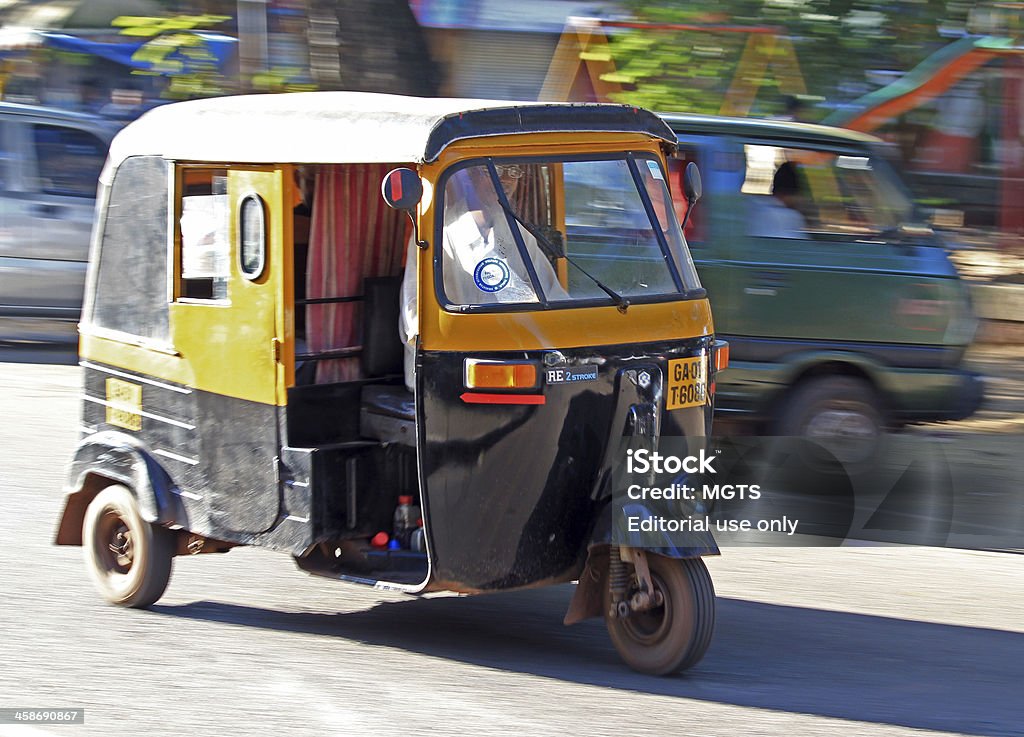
point(235, 346)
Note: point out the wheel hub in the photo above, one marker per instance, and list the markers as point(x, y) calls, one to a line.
point(838, 423)
point(120, 548)
point(651, 625)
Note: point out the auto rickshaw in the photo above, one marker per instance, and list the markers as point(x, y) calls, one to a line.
point(258, 371)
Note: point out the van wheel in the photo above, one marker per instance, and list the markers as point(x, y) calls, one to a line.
point(841, 413)
point(128, 559)
point(674, 636)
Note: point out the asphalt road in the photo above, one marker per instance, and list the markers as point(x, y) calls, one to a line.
point(842, 641)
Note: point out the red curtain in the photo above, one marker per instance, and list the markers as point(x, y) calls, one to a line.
point(353, 235)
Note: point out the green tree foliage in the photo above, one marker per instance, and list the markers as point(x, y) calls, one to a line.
point(835, 43)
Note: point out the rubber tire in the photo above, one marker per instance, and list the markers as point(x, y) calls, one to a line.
point(691, 594)
point(799, 406)
point(814, 395)
point(152, 554)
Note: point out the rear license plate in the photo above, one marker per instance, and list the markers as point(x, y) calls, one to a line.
point(687, 382)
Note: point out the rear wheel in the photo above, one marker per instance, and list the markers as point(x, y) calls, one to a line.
point(674, 636)
point(841, 413)
point(128, 559)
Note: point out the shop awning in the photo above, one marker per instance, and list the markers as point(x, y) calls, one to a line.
point(204, 48)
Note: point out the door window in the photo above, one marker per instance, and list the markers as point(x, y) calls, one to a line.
point(252, 237)
point(203, 235)
point(69, 160)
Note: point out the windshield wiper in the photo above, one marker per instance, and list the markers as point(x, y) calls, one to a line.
point(549, 248)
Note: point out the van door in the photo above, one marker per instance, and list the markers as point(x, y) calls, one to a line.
point(228, 322)
point(816, 262)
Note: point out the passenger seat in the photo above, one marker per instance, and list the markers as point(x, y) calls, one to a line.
point(387, 409)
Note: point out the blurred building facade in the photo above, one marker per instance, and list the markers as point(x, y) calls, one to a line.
point(79, 54)
point(123, 56)
point(498, 49)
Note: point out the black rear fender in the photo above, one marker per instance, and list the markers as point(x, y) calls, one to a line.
point(107, 458)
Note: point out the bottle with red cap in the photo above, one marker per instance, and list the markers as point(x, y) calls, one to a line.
point(407, 515)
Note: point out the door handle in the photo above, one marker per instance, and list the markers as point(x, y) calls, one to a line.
point(766, 283)
point(47, 211)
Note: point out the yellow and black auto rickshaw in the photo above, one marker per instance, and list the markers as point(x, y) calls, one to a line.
point(398, 339)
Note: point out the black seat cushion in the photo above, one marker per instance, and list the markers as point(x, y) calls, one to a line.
point(388, 414)
point(391, 401)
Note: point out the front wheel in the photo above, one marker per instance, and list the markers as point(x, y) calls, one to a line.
point(128, 559)
point(674, 636)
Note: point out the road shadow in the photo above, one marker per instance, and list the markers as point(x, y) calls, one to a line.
point(808, 661)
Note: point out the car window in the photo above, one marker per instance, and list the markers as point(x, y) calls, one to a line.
point(68, 160)
point(7, 155)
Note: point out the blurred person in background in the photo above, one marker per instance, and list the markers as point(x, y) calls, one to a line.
point(952, 143)
point(91, 98)
point(126, 104)
point(794, 108)
point(778, 215)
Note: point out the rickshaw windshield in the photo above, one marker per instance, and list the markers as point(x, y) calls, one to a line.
point(556, 233)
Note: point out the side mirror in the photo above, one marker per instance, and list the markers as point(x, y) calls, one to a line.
point(692, 187)
point(402, 189)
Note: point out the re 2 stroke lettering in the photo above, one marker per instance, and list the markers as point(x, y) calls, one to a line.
point(571, 375)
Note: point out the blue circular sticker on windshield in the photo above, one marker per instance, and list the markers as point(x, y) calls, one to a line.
point(491, 275)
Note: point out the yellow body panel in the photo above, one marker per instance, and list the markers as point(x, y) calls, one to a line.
point(566, 328)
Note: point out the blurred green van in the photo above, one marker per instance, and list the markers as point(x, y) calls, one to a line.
point(844, 315)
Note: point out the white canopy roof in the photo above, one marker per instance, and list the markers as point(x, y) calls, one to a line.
point(344, 127)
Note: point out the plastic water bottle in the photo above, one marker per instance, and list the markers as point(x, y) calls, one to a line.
point(406, 516)
point(417, 543)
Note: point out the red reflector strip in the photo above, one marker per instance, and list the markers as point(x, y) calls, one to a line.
point(479, 398)
point(396, 185)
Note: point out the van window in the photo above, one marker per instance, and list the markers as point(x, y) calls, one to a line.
point(68, 160)
point(803, 193)
point(205, 250)
point(130, 290)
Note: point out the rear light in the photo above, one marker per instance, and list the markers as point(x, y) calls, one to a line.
point(721, 353)
point(508, 375)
